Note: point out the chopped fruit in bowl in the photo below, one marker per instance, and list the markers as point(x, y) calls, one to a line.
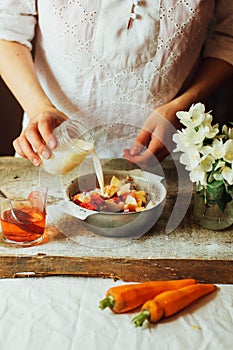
point(119, 196)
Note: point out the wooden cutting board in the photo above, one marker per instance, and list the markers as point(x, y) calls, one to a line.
point(70, 248)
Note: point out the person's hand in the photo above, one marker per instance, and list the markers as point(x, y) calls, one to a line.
point(37, 139)
point(156, 136)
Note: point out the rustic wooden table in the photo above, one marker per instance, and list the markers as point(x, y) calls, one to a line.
point(69, 248)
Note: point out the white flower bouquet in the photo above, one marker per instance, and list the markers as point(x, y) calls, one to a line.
point(207, 154)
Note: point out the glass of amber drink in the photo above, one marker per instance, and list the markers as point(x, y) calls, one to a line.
point(23, 212)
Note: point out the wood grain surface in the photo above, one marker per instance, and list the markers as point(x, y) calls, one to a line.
point(69, 248)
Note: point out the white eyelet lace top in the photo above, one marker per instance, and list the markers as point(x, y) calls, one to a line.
point(87, 53)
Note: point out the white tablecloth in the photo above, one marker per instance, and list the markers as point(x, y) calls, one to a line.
point(62, 313)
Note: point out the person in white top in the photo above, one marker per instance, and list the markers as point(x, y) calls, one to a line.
point(152, 54)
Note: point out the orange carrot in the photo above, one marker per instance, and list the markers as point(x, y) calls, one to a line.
point(170, 302)
point(130, 296)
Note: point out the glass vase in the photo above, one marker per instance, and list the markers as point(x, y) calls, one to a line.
point(210, 216)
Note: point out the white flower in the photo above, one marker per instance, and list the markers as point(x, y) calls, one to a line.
point(211, 131)
point(187, 138)
point(184, 117)
point(220, 165)
point(228, 149)
point(228, 133)
point(227, 174)
point(205, 150)
point(199, 176)
point(223, 172)
point(194, 117)
point(217, 149)
point(182, 142)
point(196, 137)
point(208, 119)
point(218, 176)
point(206, 153)
point(191, 158)
point(207, 162)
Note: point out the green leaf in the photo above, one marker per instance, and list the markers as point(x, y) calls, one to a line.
point(222, 202)
point(215, 190)
point(218, 193)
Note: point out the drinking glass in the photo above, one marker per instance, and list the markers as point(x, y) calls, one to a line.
point(23, 212)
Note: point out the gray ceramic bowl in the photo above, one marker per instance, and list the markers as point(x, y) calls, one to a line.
point(132, 224)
